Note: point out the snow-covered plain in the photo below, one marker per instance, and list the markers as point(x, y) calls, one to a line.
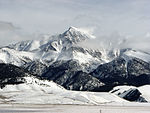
point(42, 96)
point(35, 91)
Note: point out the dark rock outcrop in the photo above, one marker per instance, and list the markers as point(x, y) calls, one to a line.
point(11, 74)
point(35, 67)
point(112, 72)
point(69, 75)
point(134, 72)
point(132, 94)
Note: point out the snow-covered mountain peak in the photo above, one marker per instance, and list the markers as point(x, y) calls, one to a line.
point(71, 28)
point(84, 31)
point(74, 30)
point(67, 39)
point(75, 35)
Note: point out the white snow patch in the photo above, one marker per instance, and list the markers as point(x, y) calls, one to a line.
point(145, 92)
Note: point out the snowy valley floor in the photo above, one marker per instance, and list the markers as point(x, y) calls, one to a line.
point(29, 108)
point(38, 96)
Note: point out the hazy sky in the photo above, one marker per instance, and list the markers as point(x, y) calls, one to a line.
point(106, 17)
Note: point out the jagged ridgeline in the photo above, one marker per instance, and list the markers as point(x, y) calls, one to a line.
point(62, 59)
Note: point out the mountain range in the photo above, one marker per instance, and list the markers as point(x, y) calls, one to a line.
point(62, 59)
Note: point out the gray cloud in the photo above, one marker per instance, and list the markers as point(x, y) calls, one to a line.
point(7, 31)
point(11, 34)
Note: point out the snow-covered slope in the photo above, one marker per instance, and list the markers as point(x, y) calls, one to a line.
point(37, 91)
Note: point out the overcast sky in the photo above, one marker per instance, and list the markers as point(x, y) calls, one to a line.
point(105, 17)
